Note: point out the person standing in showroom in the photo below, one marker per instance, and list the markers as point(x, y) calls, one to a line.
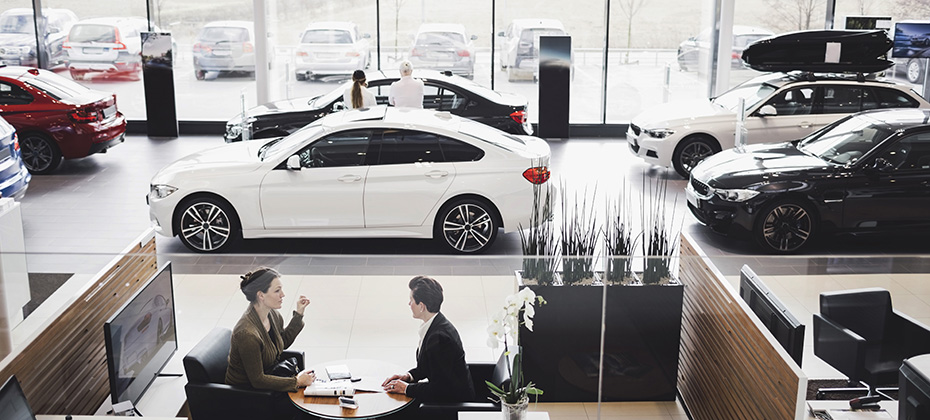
point(407, 91)
point(440, 356)
point(260, 337)
point(357, 95)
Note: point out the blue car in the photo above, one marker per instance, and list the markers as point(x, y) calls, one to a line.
point(14, 177)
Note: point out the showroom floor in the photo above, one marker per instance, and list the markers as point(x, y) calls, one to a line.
point(80, 218)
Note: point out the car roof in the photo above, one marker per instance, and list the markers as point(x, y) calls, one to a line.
point(330, 25)
point(538, 23)
point(441, 27)
point(781, 79)
point(395, 116)
point(898, 118)
point(14, 72)
point(750, 30)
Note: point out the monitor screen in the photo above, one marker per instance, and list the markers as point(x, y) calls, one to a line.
point(911, 40)
point(13, 404)
point(914, 388)
point(868, 22)
point(773, 314)
point(141, 338)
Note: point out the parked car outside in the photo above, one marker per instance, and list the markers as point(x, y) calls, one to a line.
point(107, 45)
point(18, 36)
point(225, 46)
point(14, 176)
point(778, 107)
point(864, 174)
point(520, 42)
point(363, 173)
point(442, 91)
point(444, 47)
point(690, 50)
point(57, 118)
point(331, 48)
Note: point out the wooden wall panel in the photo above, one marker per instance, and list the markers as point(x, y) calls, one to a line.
point(729, 368)
point(63, 370)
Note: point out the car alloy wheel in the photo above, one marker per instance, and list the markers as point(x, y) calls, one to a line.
point(785, 227)
point(207, 225)
point(913, 71)
point(467, 226)
point(40, 154)
point(691, 152)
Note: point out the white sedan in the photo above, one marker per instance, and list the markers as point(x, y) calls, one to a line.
point(375, 172)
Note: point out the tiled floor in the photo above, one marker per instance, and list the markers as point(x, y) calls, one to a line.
point(78, 219)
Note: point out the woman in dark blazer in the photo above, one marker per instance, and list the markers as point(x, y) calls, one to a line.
point(440, 356)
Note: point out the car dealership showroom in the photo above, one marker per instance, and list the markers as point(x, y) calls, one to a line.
point(740, 188)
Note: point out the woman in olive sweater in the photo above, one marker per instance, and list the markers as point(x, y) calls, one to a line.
point(260, 336)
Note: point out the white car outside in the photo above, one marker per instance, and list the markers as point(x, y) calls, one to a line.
point(110, 45)
point(444, 47)
point(778, 107)
point(434, 175)
point(331, 48)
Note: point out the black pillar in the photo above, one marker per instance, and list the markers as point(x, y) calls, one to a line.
point(158, 81)
point(555, 71)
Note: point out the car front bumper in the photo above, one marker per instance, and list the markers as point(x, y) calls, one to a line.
point(652, 150)
point(721, 216)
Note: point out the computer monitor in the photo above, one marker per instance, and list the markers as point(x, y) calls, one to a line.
point(13, 404)
point(773, 314)
point(914, 388)
point(141, 337)
point(911, 40)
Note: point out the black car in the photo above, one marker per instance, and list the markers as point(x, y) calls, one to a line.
point(442, 91)
point(866, 173)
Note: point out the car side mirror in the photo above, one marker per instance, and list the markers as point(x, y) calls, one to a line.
point(366, 36)
point(474, 37)
point(339, 106)
point(767, 110)
point(501, 33)
point(882, 165)
point(293, 163)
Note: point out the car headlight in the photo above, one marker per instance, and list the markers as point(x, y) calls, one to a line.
point(659, 133)
point(161, 191)
point(736, 196)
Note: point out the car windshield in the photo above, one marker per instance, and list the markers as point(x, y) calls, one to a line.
point(278, 146)
point(326, 36)
point(742, 41)
point(491, 135)
point(751, 93)
point(224, 34)
point(56, 86)
point(92, 33)
point(846, 141)
point(440, 38)
point(17, 24)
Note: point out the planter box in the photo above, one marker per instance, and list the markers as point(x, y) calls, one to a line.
point(643, 329)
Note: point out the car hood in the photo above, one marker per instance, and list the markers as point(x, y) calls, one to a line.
point(680, 113)
point(732, 169)
point(233, 158)
point(18, 40)
point(276, 107)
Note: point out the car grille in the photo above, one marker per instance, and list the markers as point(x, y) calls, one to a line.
point(635, 129)
point(700, 188)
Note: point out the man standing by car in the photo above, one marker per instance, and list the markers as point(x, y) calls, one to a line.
point(407, 91)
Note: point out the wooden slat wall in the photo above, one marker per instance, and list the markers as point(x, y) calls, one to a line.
point(63, 370)
point(729, 368)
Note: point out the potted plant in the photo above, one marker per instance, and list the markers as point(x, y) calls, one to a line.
point(579, 238)
point(661, 232)
point(619, 240)
point(538, 241)
point(505, 325)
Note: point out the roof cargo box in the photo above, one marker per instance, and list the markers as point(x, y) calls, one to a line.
point(834, 51)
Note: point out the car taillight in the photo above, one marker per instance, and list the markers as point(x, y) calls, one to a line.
point(352, 54)
point(303, 54)
point(247, 47)
point(537, 175)
point(84, 115)
point(519, 116)
point(67, 43)
point(414, 52)
point(735, 55)
point(120, 46)
point(119, 42)
point(463, 53)
point(15, 142)
point(197, 47)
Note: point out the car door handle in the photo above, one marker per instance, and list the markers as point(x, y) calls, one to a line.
point(437, 174)
point(349, 178)
point(805, 124)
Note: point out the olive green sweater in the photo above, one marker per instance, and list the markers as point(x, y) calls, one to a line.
point(253, 350)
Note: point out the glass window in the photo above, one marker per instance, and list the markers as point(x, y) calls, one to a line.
point(798, 101)
point(326, 36)
point(893, 98)
point(840, 99)
point(224, 34)
point(407, 146)
point(456, 151)
point(17, 24)
point(911, 153)
point(347, 148)
point(92, 33)
point(11, 94)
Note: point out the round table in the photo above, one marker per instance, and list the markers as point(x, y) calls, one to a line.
point(370, 404)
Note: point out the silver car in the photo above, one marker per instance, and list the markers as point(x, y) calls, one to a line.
point(329, 48)
point(225, 46)
point(444, 46)
point(109, 45)
point(18, 36)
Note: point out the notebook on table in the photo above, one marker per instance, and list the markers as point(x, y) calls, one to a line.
point(336, 372)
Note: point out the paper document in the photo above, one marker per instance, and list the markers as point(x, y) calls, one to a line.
point(329, 390)
point(338, 372)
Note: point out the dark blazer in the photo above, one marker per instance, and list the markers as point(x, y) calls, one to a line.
point(441, 359)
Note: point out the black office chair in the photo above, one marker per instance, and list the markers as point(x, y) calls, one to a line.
point(861, 335)
point(208, 396)
point(496, 373)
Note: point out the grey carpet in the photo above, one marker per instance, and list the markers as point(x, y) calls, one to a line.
point(41, 286)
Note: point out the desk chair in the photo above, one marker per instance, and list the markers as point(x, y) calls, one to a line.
point(861, 335)
point(208, 396)
point(496, 373)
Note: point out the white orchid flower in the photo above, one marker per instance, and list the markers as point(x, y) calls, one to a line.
point(526, 296)
point(529, 313)
point(529, 324)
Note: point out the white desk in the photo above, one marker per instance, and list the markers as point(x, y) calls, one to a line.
point(62, 417)
point(890, 406)
point(496, 415)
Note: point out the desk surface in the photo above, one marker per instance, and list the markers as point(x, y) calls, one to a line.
point(890, 406)
point(493, 415)
point(370, 404)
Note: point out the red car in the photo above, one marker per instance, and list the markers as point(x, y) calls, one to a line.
point(57, 118)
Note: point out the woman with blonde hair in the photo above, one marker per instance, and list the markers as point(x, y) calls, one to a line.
point(357, 95)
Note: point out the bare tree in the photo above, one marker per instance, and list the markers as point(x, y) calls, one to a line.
point(629, 9)
point(915, 8)
point(795, 15)
point(397, 5)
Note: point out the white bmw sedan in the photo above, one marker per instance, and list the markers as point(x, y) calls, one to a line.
point(366, 173)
